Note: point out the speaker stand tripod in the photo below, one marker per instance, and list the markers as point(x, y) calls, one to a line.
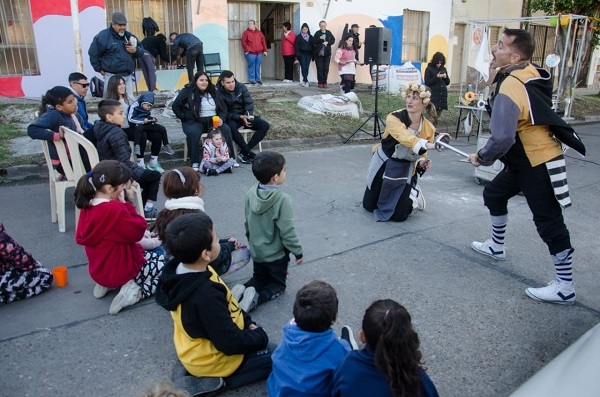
point(377, 120)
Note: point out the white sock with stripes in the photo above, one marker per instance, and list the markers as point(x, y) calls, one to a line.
point(498, 231)
point(563, 263)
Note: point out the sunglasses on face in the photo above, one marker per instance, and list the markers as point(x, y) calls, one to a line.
point(84, 85)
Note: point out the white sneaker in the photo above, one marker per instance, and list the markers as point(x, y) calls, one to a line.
point(154, 166)
point(250, 300)
point(485, 248)
point(236, 164)
point(559, 292)
point(237, 291)
point(129, 295)
point(196, 167)
point(100, 291)
point(418, 199)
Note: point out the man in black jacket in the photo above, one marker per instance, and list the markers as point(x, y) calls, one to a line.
point(193, 50)
point(240, 113)
point(113, 49)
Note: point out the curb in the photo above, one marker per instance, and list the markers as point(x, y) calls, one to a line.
point(39, 172)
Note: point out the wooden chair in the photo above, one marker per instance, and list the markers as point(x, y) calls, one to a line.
point(58, 187)
point(74, 141)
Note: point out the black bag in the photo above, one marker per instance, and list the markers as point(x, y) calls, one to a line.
point(149, 26)
point(97, 87)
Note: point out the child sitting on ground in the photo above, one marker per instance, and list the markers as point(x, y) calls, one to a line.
point(390, 364)
point(21, 276)
point(218, 344)
point(140, 116)
point(309, 352)
point(112, 144)
point(270, 232)
point(215, 159)
point(182, 188)
point(115, 236)
point(58, 108)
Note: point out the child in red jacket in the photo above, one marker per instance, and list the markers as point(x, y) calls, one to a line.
point(115, 236)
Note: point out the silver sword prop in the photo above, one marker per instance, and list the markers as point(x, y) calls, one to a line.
point(455, 150)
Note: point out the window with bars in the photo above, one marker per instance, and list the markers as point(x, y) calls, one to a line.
point(170, 15)
point(415, 35)
point(17, 46)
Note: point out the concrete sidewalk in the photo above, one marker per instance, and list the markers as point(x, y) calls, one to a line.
point(480, 335)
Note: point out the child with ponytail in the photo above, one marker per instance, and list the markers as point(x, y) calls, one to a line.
point(116, 241)
point(390, 363)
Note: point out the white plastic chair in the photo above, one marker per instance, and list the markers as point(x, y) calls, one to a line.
point(74, 140)
point(57, 187)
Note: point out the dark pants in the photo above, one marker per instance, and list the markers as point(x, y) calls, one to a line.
point(322, 68)
point(149, 181)
point(255, 367)
point(223, 262)
point(194, 55)
point(404, 205)
point(193, 131)
point(269, 278)
point(537, 189)
point(148, 66)
point(139, 134)
point(288, 64)
point(304, 60)
point(347, 82)
point(260, 126)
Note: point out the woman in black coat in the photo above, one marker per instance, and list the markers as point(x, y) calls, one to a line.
point(436, 78)
point(195, 106)
point(304, 52)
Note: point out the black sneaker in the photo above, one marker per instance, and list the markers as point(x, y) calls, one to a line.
point(197, 386)
point(244, 158)
point(252, 155)
point(348, 336)
point(150, 214)
point(259, 82)
point(212, 172)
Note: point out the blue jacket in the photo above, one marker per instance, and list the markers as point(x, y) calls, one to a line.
point(81, 109)
point(46, 128)
point(358, 377)
point(107, 53)
point(185, 41)
point(304, 363)
point(137, 113)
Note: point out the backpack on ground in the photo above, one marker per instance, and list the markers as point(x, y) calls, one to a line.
point(97, 87)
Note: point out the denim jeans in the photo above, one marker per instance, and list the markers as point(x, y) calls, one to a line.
point(254, 62)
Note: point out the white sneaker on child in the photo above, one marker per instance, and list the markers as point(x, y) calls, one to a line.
point(100, 291)
point(250, 300)
point(129, 295)
point(237, 291)
point(348, 336)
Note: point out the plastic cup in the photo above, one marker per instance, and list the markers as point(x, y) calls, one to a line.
point(60, 276)
point(215, 121)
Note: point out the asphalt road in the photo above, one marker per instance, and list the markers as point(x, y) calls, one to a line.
point(480, 335)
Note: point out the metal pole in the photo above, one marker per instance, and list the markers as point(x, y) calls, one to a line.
point(76, 35)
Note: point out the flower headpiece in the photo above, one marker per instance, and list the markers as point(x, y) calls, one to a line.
point(413, 86)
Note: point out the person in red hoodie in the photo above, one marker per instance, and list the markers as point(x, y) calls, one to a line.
point(255, 47)
point(115, 236)
point(288, 39)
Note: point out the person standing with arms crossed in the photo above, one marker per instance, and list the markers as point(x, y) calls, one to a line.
point(255, 47)
point(522, 126)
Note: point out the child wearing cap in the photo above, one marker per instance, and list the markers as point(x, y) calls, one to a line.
point(140, 116)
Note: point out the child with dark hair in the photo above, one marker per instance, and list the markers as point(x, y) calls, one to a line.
point(309, 352)
point(116, 242)
point(215, 159)
point(21, 276)
point(270, 232)
point(58, 108)
point(218, 344)
point(140, 116)
point(390, 364)
point(112, 144)
point(182, 189)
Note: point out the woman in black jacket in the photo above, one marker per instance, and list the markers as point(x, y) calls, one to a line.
point(195, 106)
point(304, 51)
point(323, 40)
point(436, 78)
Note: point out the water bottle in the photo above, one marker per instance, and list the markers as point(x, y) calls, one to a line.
point(469, 87)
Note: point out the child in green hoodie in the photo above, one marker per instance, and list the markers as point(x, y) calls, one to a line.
point(270, 232)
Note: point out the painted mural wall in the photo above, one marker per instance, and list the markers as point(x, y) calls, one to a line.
point(55, 43)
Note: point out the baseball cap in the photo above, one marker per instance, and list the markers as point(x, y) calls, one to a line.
point(119, 18)
point(354, 25)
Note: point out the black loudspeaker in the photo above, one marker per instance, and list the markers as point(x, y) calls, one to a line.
point(378, 46)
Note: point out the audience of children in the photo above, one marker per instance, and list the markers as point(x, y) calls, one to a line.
point(270, 232)
point(140, 116)
point(217, 343)
point(112, 144)
point(58, 108)
point(215, 159)
point(21, 276)
point(309, 351)
point(182, 188)
point(390, 363)
point(115, 238)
